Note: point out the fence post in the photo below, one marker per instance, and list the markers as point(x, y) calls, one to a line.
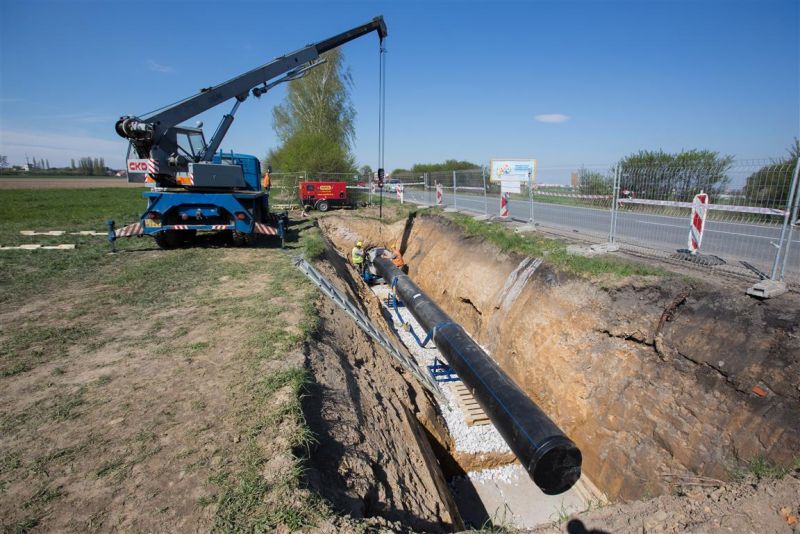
point(792, 218)
point(786, 220)
point(485, 199)
point(530, 194)
point(455, 202)
point(612, 229)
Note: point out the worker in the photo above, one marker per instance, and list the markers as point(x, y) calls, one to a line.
point(357, 257)
point(396, 257)
point(267, 181)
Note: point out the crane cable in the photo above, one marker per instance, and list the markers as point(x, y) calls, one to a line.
point(381, 115)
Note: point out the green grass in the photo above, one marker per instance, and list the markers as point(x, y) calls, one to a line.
point(247, 500)
point(66, 406)
point(139, 281)
point(21, 526)
point(762, 468)
point(23, 273)
point(553, 251)
point(313, 244)
point(26, 347)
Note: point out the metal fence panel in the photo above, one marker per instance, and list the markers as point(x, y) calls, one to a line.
point(752, 224)
point(284, 193)
point(747, 210)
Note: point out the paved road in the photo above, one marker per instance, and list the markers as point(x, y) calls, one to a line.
point(729, 240)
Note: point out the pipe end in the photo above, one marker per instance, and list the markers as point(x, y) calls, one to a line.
point(557, 466)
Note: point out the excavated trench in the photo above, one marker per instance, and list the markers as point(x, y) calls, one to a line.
point(652, 377)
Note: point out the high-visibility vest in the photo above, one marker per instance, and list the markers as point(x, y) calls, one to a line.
point(358, 256)
point(267, 181)
point(397, 258)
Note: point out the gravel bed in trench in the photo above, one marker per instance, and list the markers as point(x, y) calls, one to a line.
point(468, 439)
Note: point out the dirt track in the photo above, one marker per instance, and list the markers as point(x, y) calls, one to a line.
point(63, 183)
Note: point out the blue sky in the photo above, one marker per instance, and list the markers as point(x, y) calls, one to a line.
point(567, 82)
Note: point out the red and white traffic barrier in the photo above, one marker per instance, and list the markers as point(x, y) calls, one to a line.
point(261, 228)
point(438, 194)
point(130, 230)
point(504, 205)
point(717, 207)
point(399, 190)
point(698, 221)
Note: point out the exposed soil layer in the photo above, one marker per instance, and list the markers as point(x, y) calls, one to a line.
point(651, 377)
point(373, 458)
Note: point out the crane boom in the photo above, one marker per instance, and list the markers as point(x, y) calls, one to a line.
point(155, 136)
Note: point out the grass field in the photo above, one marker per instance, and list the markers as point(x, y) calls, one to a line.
point(553, 251)
point(23, 272)
point(148, 390)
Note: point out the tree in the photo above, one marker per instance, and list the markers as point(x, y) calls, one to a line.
point(3, 163)
point(680, 176)
point(317, 109)
point(365, 170)
point(769, 186)
point(447, 165)
point(72, 164)
point(314, 152)
point(595, 183)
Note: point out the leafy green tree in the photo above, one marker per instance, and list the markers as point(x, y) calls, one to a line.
point(365, 170)
point(447, 165)
point(313, 152)
point(316, 121)
point(680, 176)
point(595, 183)
point(769, 186)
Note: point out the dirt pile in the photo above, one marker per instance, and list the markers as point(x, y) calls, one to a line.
point(652, 377)
point(757, 506)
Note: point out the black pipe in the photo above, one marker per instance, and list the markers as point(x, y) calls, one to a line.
point(551, 459)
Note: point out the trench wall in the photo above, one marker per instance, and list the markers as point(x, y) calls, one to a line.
point(371, 457)
point(651, 377)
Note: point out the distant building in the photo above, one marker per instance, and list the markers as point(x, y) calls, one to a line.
point(574, 179)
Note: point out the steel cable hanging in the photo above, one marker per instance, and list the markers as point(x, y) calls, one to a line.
point(381, 120)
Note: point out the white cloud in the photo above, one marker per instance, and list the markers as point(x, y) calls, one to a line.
point(552, 117)
point(59, 148)
point(158, 67)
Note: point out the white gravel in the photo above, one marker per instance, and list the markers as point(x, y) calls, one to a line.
point(468, 439)
point(510, 474)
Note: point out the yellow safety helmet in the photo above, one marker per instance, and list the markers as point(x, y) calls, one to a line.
point(359, 244)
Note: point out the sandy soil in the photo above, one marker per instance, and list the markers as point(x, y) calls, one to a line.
point(652, 378)
point(747, 507)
